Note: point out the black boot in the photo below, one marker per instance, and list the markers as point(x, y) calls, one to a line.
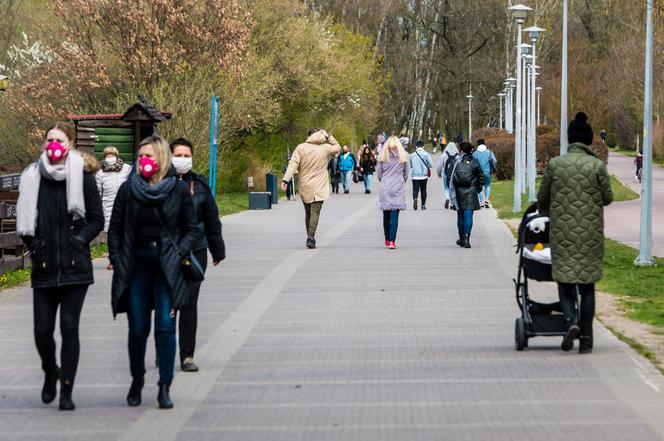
point(466, 241)
point(585, 344)
point(568, 340)
point(66, 402)
point(163, 397)
point(134, 395)
point(459, 241)
point(50, 384)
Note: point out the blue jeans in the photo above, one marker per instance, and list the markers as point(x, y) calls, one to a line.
point(346, 176)
point(367, 181)
point(486, 191)
point(390, 224)
point(148, 288)
point(465, 222)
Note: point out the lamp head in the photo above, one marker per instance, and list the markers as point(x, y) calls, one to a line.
point(519, 12)
point(534, 33)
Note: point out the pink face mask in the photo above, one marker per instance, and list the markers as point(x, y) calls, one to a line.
point(56, 151)
point(148, 166)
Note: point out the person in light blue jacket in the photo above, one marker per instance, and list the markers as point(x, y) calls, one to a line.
point(420, 164)
point(346, 164)
point(488, 163)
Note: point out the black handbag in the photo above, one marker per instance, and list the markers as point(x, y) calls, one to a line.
point(191, 268)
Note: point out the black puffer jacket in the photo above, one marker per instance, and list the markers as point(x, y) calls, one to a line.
point(60, 248)
point(177, 212)
point(468, 183)
point(208, 217)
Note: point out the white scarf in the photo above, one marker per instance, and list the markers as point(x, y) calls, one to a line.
point(71, 172)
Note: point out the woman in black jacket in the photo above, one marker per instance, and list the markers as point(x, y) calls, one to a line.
point(467, 181)
point(58, 213)
point(367, 167)
point(152, 227)
point(208, 222)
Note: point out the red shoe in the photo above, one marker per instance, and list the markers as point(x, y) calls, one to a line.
point(392, 245)
point(387, 243)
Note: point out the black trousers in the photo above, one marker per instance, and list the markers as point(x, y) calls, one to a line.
point(189, 315)
point(420, 185)
point(46, 302)
point(567, 293)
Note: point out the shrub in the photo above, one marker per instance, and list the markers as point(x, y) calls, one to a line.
point(546, 128)
point(502, 146)
point(487, 132)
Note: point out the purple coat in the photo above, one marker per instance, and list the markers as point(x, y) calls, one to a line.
point(392, 176)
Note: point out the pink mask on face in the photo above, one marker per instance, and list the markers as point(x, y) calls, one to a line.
point(148, 167)
point(56, 151)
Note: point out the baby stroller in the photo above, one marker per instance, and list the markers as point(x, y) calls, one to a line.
point(537, 319)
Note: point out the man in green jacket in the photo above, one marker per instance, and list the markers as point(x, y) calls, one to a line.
point(575, 188)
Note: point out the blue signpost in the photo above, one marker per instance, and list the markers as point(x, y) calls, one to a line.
point(214, 144)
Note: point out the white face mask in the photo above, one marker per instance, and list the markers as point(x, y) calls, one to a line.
point(182, 165)
point(111, 159)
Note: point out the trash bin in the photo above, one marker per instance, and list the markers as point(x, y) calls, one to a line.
point(260, 200)
point(271, 187)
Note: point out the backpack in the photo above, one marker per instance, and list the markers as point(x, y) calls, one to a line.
point(449, 166)
point(463, 175)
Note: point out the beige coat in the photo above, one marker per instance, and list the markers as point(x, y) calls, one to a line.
point(309, 162)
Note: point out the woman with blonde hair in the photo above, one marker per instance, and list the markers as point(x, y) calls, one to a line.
point(153, 226)
point(112, 175)
point(57, 215)
point(392, 172)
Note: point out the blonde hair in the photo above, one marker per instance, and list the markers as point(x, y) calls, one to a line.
point(162, 154)
point(110, 150)
point(392, 142)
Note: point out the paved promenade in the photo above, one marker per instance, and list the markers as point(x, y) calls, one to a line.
point(623, 218)
point(347, 342)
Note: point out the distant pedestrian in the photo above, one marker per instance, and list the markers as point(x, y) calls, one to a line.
point(367, 168)
point(112, 175)
point(59, 212)
point(488, 163)
point(446, 160)
point(153, 226)
point(392, 172)
point(638, 162)
point(574, 190)
point(603, 135)
point(466, 182)
point(347, 164)
point(420, 164)
point(210, 239)
point(289, 186)
point(335, 173)
point(310, 161)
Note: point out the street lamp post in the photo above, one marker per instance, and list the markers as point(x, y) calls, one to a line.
point(509, 108)
point(500, 120)
point(470, 117)
point(563, 87)
point(520, 13)
point(534, 33)
point(645, 239)
point(525, 48)
point(539, 103)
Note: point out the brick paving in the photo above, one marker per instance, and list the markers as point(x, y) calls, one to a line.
point(347, 342)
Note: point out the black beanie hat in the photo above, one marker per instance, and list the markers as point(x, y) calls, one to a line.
point(579, 130)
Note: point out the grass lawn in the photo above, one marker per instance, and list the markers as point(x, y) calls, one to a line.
point(641, 289)
point(502, 199)
point(230, 203)
point(621, 192)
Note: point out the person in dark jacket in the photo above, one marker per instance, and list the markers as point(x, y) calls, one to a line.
point(367, 167)
point(153, 226)
point(58, 213)
point(335, 173)
point(208, 222)
point(466, 182)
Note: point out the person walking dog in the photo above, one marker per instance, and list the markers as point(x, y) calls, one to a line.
point(420, 164)
point(466, 181)
point(310, 161)
point(392, 172)
point(57, 215)
point(112, 175)
point(207, 215)
point(574, 191)
point(153, 225)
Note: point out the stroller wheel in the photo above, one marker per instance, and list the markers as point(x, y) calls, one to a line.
point(520, 337)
